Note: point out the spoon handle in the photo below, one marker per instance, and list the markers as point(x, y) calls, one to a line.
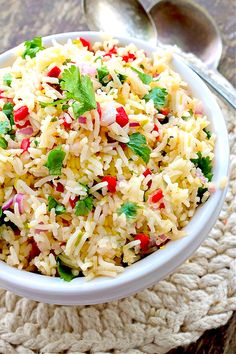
point(228, 95)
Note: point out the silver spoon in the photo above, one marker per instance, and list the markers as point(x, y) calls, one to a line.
point(125, 17)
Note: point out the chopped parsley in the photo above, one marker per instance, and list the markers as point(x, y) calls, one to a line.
point(80, 88)
point(7, 79)
point(138, 144)
point(205, 165)
point(208, 133)
point(103, 75)
point(129, 209)
point(4, 128)
point(159, 97)
point(200, 192)
point(84, 206)
point(55, 161)
point(145, 78)
point(59, 208)
point(32, 47)
point(122, 78)
point(3, 143)
point(8, 111)
point(64, 271)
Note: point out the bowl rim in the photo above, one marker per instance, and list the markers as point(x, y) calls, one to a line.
point(159, 264)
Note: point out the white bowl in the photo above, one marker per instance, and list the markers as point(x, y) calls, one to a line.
point(156, 266)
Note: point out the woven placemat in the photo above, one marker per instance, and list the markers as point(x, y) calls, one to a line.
point(199, 295)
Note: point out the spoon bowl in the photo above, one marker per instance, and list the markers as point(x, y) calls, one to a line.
point(189, 26)
point(120, 18)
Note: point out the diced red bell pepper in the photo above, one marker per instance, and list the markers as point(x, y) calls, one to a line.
point(157, 196)
point(123, 145)
point(54, 72)
point(85, 43)
point(113, 50)
point(99, 110)
point(162, 206)
point(23, 124)
point(66, 125)
point(73, 202)
point(144, 241)
point(35, 251)
point(60, 188)
point(156, 129)
point(128, 57)
point(21, 113)
point(165, 111)
point(25, 144)
point(147, 172)
point(111, 187)
point(121, 117)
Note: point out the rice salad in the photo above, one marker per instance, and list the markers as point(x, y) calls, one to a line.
point(105, 156)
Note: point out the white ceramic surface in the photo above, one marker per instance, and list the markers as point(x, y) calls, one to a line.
point(156, 266)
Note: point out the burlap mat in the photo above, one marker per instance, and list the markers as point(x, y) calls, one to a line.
point(200, 295)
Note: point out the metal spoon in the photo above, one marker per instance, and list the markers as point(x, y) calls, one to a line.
point(130, 18)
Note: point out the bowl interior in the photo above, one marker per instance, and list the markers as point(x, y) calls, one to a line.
point(157, 265)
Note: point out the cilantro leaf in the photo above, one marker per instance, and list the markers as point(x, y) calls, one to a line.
point(103, 75)
point(208, 133)
point(55, 161)
point(145, 78)
point(84, 206)
point(122, 78)
point(158, 95)
point(138, 144)
point(64, 271)
point(4, 127)
point(3, 143)
point(8, 111)
point(7, 79)
point(32, 47)
point(129, 209)
point(54, 103)
point(80, 88)
point(59, 208)
point(200, 192)
point(205, 164)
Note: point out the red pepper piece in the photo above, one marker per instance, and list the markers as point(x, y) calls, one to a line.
point(60, 188)
point(35, 251)
point(147, 172)
point(85, 43)
point(128, 57)
point(111, 187)
point(156, 129)
point(21, 113)
point(66, 125)
point(165, 111)
point(73, 202)
point(123, 145)
point(54, 72)
point(113, 50)
point(121, 118)
point(144, 241)
point(158, 195)
point(162, 206)
point(99, 110)
point(23, 125)
point(25, 144)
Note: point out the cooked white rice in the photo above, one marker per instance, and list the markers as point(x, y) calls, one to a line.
point(163, 199)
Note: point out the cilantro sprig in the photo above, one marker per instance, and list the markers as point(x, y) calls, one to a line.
point(55, 161)
point(84, 206)
point(130, 209)
point(159, 97)
point(32, 47)
point(138, 144)
point(7, 79)
point(59, 208)
point(8, 111)
point(80, 88)
point(205, 165)
point(103, 75)
point(145, 78)
point(64, 271)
